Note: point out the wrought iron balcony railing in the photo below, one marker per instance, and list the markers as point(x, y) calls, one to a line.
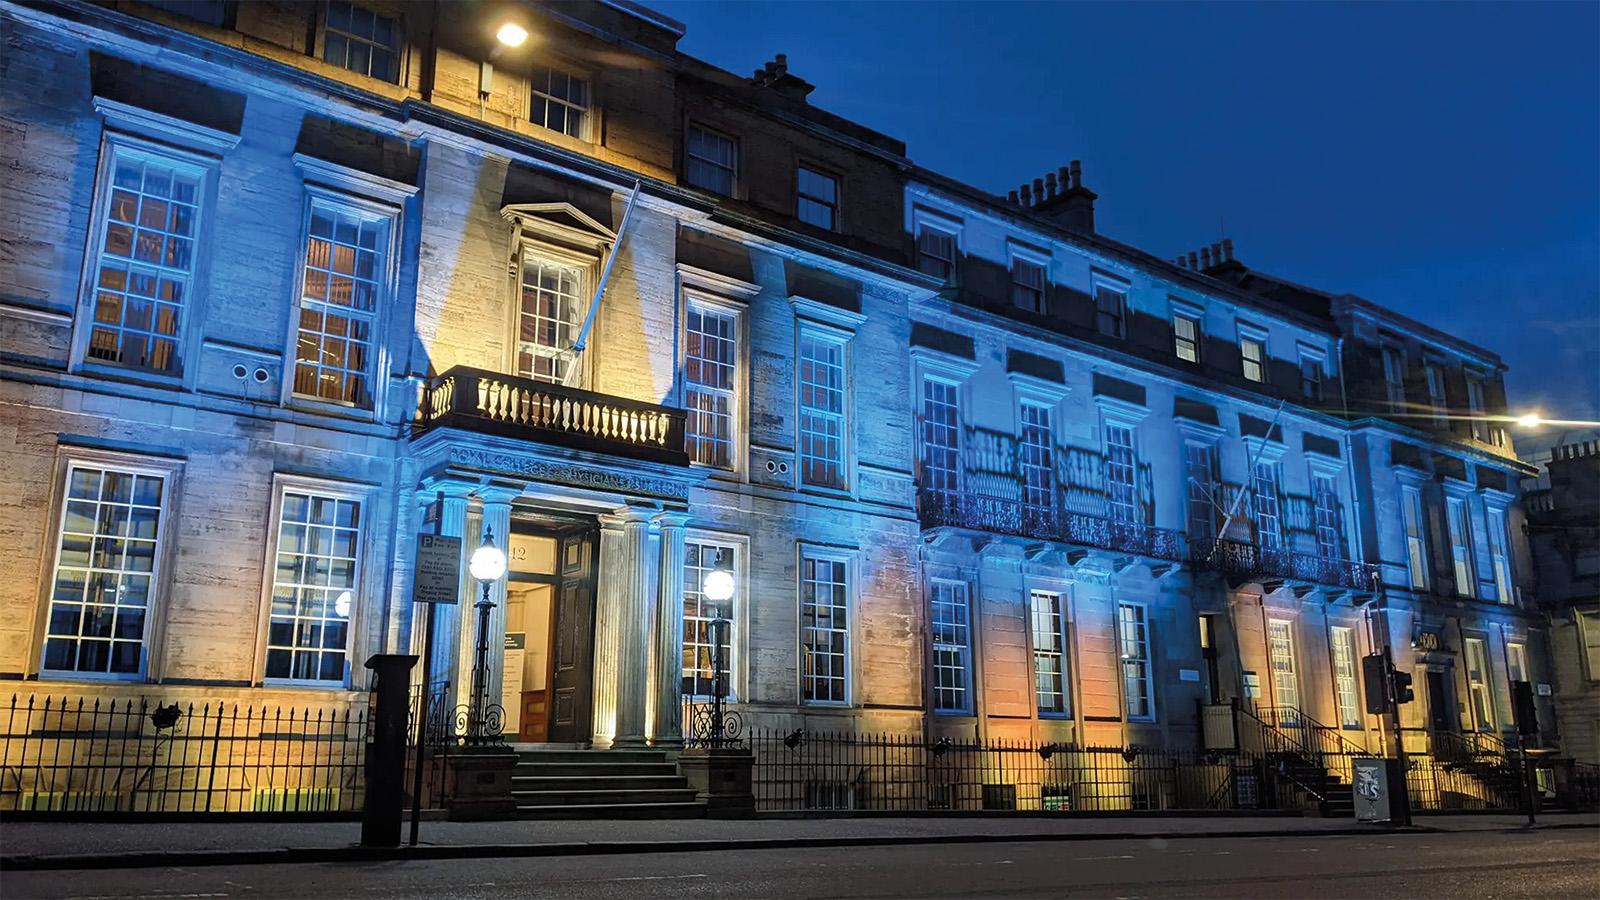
point(479, 400)
point(1238, 559)
point(1006, 516)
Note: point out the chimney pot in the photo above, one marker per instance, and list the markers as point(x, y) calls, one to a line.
point(1194, 260)
point(1227, 249)
point(1050, 184)
point(1075, 168)
point(1012, 198)
point(1038, 189)
point(1205, 257)
point(1027, 196)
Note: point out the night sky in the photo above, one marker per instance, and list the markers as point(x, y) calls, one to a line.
point(1439, 159)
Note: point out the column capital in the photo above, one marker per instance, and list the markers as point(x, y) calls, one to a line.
point(452, 488)
point(673, 519)
point(498, 492)
point(627, 515)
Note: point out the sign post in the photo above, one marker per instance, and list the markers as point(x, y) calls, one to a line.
point(437, 580)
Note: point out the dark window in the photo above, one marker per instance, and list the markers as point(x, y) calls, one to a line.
point(560, 102)
point(1311, 378)
point(1109, 306)
point(1027, 285)
point(936, 253)
point(817, 201)
point(712, 160)
point(361, 40)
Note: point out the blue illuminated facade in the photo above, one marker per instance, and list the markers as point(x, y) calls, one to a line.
point(288, 285)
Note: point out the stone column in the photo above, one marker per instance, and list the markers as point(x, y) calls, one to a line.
point(666, 633)
point(633, 628)
point(605, 631)
point(496, 520)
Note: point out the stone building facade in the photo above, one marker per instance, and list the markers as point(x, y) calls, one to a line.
point(288, 285)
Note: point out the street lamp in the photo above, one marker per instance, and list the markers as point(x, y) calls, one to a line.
point(511, 34)
point(717, 587)
point(488, 563)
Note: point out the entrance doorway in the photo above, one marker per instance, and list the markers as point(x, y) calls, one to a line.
point(1441, 705)
point(549, 631)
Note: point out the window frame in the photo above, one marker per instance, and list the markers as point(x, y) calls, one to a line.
point(1480, 691)
point(1113, 286)
point(739, 629)
point(1059, 634)
point(737, 396)
point(1346, 677)
point(961, 602)
point(1320, 473)
point(845, 341)
point(1274, 479)
point(1315, 362)
point(1196, 341)
point(1252, 334)
point(1463, 567)
point(1284, 677)
point(847, 559)
point(1478, 405)
point(367, 540)
point(119, 137)
point(946, 229)
point(1413, 511)
point(1018, 257)
point(1497, 535)
point(171, 471)
point(589, 111)
point(400, 48)
point(546, 252)
point(836, 208)
point(1517, 662)
point(1146, 644)
point(1210, 487)
point(1433, 381)
point(734, 170)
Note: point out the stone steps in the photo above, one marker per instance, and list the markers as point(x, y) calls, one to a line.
point(563, 783)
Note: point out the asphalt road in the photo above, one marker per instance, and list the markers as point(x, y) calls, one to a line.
point(1457, 866)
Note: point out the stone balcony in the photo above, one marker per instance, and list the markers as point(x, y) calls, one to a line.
point(509, 406)
point(1001, 515)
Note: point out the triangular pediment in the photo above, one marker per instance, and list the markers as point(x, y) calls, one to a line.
point(559, 220)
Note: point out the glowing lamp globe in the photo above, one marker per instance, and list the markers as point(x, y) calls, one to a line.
point(511, 34)
point(487, 563)
point(1531, 420)
point(717, 586)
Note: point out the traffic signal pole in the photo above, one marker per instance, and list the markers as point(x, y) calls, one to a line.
point(1402, 790)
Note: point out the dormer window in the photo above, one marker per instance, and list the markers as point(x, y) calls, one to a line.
point(712, 160)
point(1110, 308)
point(1027, 285)
point(560, 102)
point(1253, 354)
point(817, 198)
point(936, 253)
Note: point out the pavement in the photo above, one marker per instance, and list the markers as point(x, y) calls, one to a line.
point(62, 845)
point(1483, 863)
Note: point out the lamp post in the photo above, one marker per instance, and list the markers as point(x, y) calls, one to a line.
point(717, 587)
point(488, 563)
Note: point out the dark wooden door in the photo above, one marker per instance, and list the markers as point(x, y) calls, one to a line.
point(572, 639)
point(1441, 712)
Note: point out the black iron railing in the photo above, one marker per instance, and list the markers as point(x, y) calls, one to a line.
point(149, 757)
point(1241, 560)
point(800, 770)
point(1002, 515)
point(479, 400)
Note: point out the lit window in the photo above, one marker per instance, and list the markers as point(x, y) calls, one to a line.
point(1394, 378)
point(547, 319)
point(1186, 338)
point(341, 291)
point(1036, 452)
point(713, 160)
point(1269, 523)
point(1589, 633)
point(1121, 463)
point(1285, 680)
point(1499, 556)
point(817, 198)
point(1329, 518)
point(1110, 308)
point(145, 261)
point(936, 253)
point(1311, 378)
point(1049, 653)
point(952, 646)
point(941, 423)
point(822, 410)
point(1479, 685)
point(699, 559)
point(1253, 354)
point(1027, 285)
point(1200, 470)
point(560, 102)
point(1346, 691)
point(1460, 544)
point(313, 587)
point(1416, 549)
point(1517, 662)
point(1133, 644)
point(107, 561)
point(362, 41)
point(711, 363)
point(824, 630)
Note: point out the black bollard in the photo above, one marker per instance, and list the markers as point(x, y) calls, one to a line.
point(386, 750)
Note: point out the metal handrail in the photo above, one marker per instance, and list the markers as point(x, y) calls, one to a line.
point(1334, 742)
point(1005, 515)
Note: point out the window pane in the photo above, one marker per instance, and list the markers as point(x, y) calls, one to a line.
point(102, 595)
point(822, 417)
point(342, 290)
point(700, 559)
point(824, 631)
point(547, 319)
point(360, 40)
point(951, 647)
point(711, 360)
point(314, 587)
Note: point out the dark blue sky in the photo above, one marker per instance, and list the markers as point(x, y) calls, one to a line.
point(1441, 159)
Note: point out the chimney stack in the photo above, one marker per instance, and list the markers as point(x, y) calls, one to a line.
point(775, 74)
point(1059, 197)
